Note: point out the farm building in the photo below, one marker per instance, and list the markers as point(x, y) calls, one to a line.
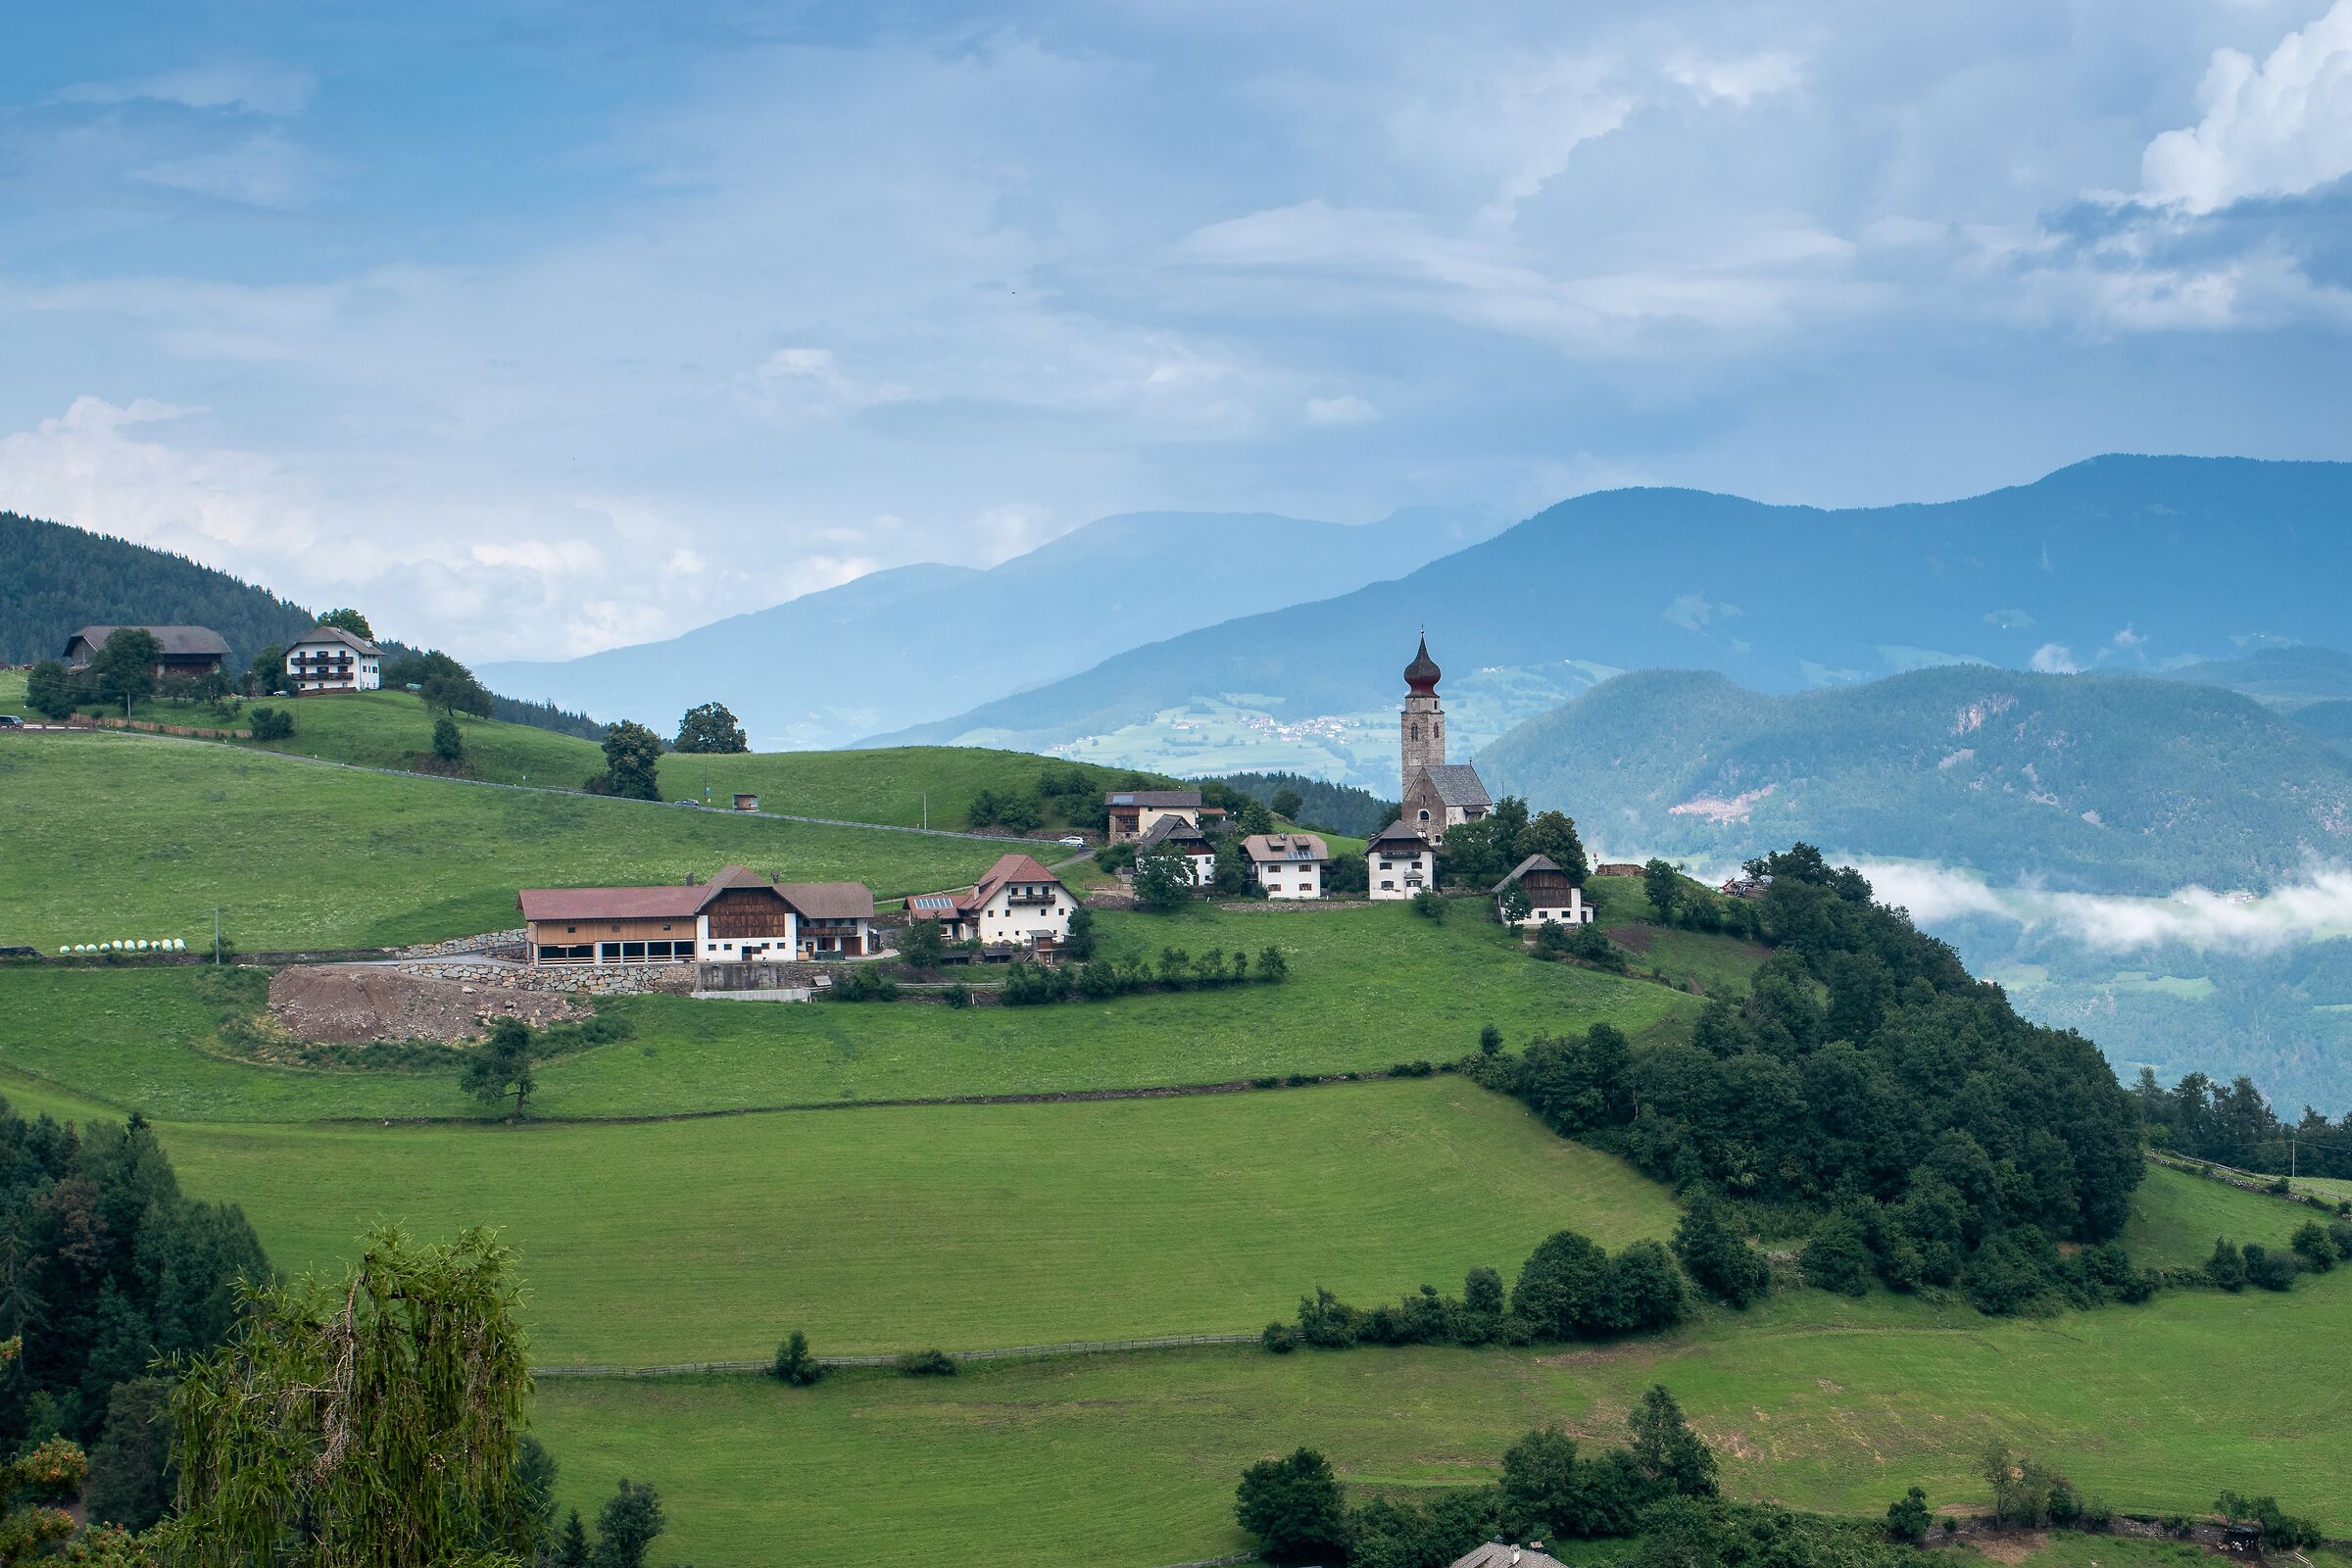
point(1133, 813)
point(188, 650)
point(1017, 903)
point(736, 918)
point(328, 659)
point(1173, 835)
point(1399, 862)
point(1288, 865)
point(1553, 898)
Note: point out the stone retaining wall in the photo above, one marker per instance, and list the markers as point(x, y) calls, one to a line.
point(486, 942)
point(588, 979)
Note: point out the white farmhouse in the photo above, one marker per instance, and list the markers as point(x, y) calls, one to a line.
point(1399, 862)
point(1173, 835)
point(1017, 903)
point(329, 659)
point(1288, 865)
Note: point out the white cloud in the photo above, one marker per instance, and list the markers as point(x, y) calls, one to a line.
point(1347, 409)
point(264, 171)
point(1739, 79)
point(250, 86)
point(1695, 610)
point(809, 384)
point(2055, 658)
point(2279, 128)
point(2316, 906)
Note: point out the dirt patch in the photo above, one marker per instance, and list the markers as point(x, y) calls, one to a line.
point(2011, 1547)
point(1632, 938)
point(371, 1002)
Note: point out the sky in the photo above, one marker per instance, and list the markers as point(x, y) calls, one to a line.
point(532, 329)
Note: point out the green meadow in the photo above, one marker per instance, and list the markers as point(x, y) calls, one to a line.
point(1810, 1399)
point(130, 836)
point(965, 1227)
point(1368, 987)
point(391, 729)
point(903, 786)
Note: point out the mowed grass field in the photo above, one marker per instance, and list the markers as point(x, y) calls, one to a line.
point(964, 1226)
point(1368, 987)
point(387, 729)
point(1809, 1398)
point(887, 785)
point(125, 836)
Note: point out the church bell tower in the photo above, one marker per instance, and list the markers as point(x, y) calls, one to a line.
point(1421, 729)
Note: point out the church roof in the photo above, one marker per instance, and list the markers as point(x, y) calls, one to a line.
point(1457, 784)
point(1423, 672)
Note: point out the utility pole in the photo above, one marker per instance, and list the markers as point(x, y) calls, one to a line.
point(2294, 1152)
point(926, 811)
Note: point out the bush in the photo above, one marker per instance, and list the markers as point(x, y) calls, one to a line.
point(926, 1364)
point(2227, 1267)
point(958, 995)
point(1428, 906)
point(270, 723)
point(1837, 1257)
point(1279, 1338)
point(1907, 1520)
point(2271, 1271)
point(1718, 1259)
point(2316, 1247)
point(794, 1364)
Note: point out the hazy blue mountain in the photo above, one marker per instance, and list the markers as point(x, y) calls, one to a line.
point(2286, 678)
point(2112, 563)
point(913, 644)
point(2098, 783)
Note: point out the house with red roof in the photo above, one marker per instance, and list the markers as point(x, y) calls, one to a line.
point(1017, 903)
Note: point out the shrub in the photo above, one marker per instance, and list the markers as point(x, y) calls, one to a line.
point(2315, 1248)
point(958, 995)
point(1489, 1041)
point(794, 1364)
point(1718, 1259)
point(926, 1364)
point(1907, 1520)
point(270, 723)
point(1428, 906)
point(1279, 1338)
point(1837, 1257)
point(2271, 1271)
point(2227, 1267)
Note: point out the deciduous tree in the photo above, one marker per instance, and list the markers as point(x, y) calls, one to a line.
point(500, 1065)
point(124, 669)
point(632, 764)
point(1293, 1507)
point(711, 729)
point(350, 620)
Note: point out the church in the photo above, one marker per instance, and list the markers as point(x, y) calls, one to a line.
point(1438, 795)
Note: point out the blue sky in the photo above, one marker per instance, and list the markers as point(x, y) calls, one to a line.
point(536, 328)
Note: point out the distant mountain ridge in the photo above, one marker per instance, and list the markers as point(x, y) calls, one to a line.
point(916, 643)
point(2095, 783)
point(2108, 563)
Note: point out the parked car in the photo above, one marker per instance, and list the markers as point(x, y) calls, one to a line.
point(11, 721)
point(1074, 842)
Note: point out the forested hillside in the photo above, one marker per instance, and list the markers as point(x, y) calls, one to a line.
point(2111, 784)
point(55, 580)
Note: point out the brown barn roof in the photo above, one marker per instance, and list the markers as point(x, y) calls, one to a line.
point(664, 902)
point(829, 900)
point(1534, 863)
point(1178, 829)
point(1396, 832)
point(1285, 847)
point(179, 642)
point(335, 634)
point(1011, 868)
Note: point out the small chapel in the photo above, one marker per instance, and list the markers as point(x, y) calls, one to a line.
point(1437, 793)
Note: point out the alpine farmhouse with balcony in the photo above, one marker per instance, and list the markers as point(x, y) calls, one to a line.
point(736, 918)
point(329, 659)
point(1017, 903)
point(1287, 865)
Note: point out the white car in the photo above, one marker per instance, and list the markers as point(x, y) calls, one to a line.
point(1075, 842)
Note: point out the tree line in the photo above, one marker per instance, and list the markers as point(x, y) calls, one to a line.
point(2234, 1125)
point(1868, 1090)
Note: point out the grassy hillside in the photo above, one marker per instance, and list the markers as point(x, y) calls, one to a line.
point(1368, 987)
point(123, 836)
point(389, 729)
point(1810, 1399)
point(880, 786)
point(2099, 783)
point(957, 1226)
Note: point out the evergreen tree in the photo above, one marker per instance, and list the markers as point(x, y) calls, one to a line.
point(1667, 1451)
point(628, 1526)
point(571, 1549)
point(449, 745)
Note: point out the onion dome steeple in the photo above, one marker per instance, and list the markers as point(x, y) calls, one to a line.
point(1421, 675)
